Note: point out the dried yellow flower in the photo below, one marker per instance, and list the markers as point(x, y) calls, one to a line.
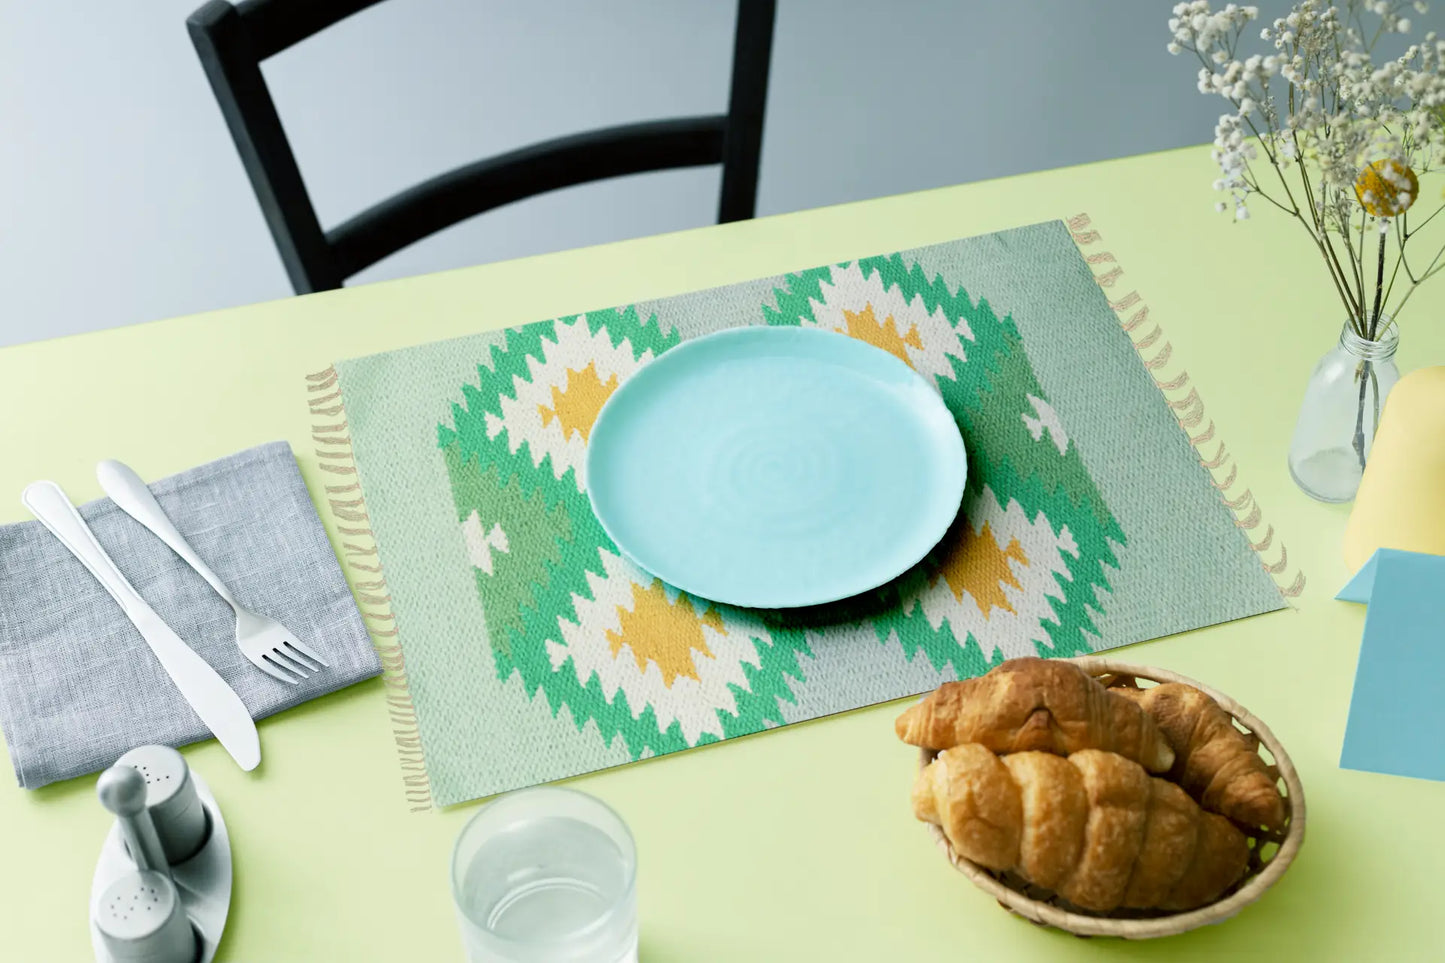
point(1387, 188)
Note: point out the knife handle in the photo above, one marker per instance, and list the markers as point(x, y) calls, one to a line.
point(48, 502)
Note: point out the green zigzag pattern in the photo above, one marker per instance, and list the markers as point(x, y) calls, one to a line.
point(988, 395)
point(554, 538)
point(554, 543)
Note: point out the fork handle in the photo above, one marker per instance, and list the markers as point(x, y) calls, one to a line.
point(126, 489)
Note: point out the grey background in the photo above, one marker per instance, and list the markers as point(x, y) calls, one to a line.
point(124, 200)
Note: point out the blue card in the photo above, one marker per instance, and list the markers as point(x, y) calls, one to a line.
point(1397, 712)
point(1358, 588)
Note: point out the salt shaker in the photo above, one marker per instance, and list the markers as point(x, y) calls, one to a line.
point(141, 919)
point(170, 797)
point(140, 916)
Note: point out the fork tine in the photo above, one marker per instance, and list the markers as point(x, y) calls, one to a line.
point(295, 655)
point(264, 664)
point(289, 662)
point(307, 668)
point(308, 652)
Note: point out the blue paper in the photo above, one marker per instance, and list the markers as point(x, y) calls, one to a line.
point(1397, 711)
point(1358, 588)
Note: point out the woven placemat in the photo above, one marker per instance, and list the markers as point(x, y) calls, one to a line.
point(521, 647)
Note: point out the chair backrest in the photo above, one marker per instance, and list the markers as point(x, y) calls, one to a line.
point(232, 41)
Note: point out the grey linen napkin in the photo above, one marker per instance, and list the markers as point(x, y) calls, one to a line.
point(79, 686)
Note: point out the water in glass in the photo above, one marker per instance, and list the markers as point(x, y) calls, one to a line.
point(540, 877)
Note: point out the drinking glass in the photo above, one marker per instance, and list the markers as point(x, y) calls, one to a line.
point(546, 875)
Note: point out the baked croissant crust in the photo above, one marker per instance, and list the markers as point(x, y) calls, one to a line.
point(1213, 761)
point(1094, 827)
point(1035, 704)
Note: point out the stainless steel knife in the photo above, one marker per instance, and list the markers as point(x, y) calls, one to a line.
point(214, 701)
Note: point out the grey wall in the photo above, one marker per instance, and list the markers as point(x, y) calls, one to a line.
point(124, 200)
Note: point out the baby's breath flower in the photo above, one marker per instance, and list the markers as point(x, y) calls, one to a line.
point(1334, 109)
point(1353, 131)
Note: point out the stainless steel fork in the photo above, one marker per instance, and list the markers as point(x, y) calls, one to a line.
point(269, 645)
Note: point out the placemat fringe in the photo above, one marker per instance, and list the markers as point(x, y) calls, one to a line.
point(1188, 409)
point(373, 598)
point(322, 380)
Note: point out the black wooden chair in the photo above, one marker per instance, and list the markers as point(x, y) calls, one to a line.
point(233, 40)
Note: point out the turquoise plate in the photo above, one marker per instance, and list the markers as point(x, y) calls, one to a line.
point(775, 467)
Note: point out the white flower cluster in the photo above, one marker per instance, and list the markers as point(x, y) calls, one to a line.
point(1389, 14)
point(1196, 26)
point(1317, 100)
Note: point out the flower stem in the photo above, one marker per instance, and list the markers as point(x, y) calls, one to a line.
point(1379, 293)
point(1365, 373)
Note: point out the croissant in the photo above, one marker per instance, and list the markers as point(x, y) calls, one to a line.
point(1043, 704)
point(1213, 760)
point(1094, 827)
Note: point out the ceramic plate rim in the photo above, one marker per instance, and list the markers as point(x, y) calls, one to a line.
point(957, 447)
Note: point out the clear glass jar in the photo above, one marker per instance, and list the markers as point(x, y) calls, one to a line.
point(1340, 413)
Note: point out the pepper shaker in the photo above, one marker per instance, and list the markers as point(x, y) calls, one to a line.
point(170, 797)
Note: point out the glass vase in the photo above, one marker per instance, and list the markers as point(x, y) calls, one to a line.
point(1341, 411)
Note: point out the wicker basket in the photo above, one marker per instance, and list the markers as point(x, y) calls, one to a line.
point(1270, 854)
